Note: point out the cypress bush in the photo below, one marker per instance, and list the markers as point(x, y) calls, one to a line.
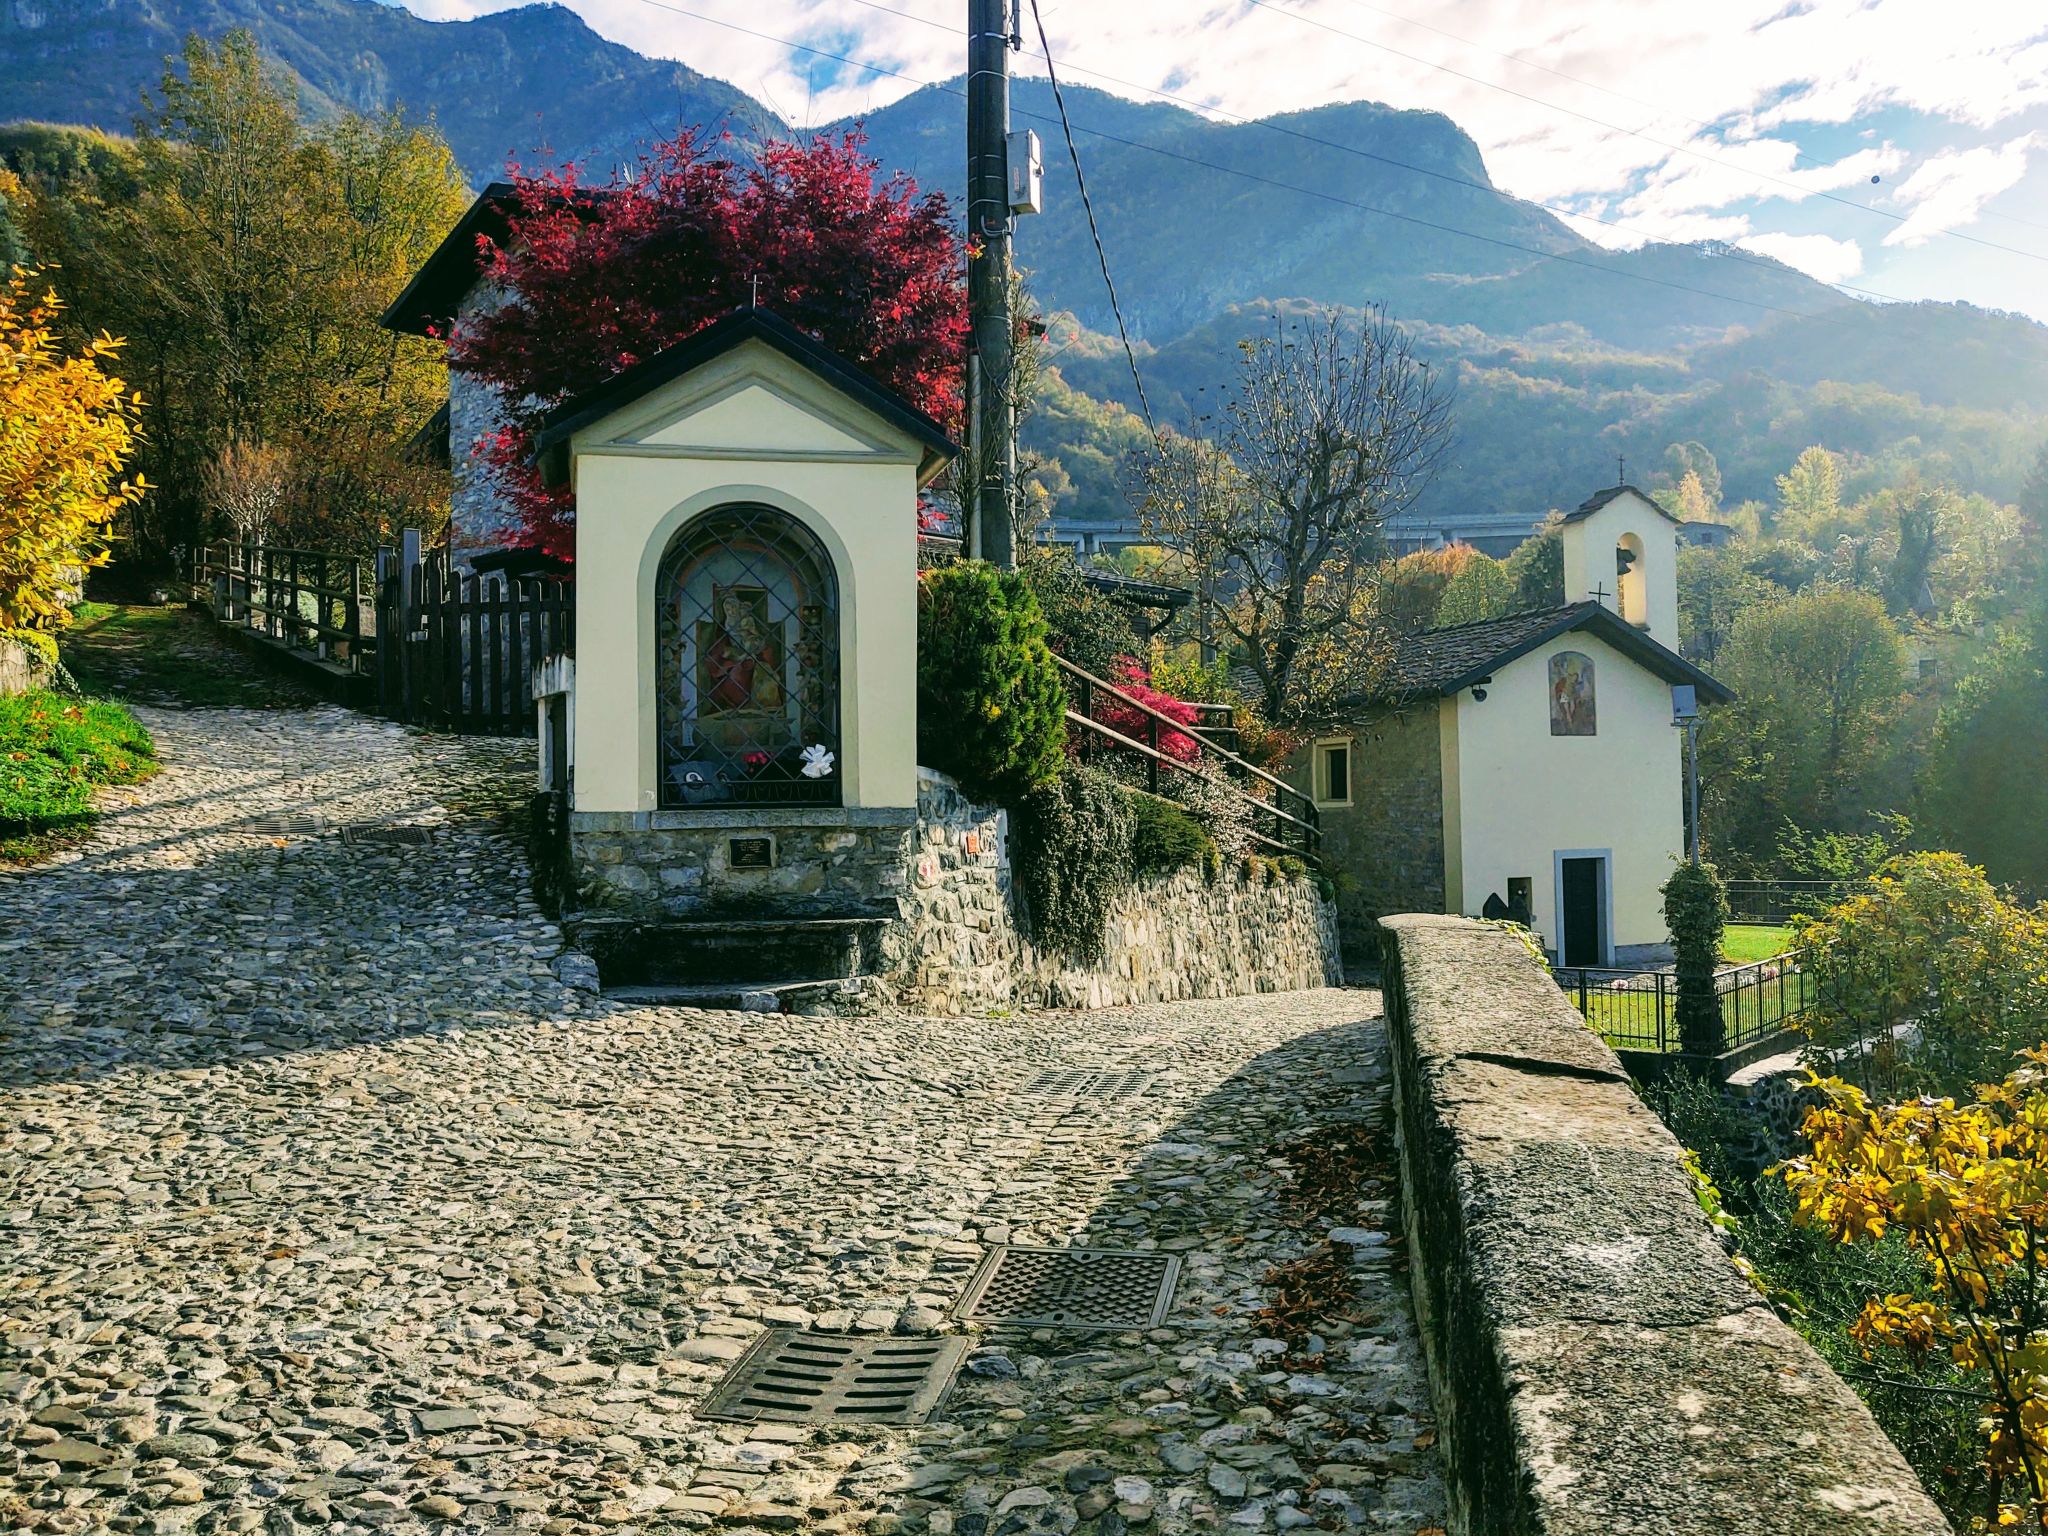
point(1072, 842)
point(991, 709)
point(1695, 913)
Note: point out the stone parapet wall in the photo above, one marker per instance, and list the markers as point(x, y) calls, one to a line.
point(960, 946)
point(1598, 1363)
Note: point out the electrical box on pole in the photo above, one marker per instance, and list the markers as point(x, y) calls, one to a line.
point(1027, 173)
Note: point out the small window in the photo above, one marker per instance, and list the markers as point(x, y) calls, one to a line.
point(1333, 772)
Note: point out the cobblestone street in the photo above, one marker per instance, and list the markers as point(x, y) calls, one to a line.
point(326, 1205)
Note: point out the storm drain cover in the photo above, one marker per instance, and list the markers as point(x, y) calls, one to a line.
point(1091, 1083)
point(308, 825)
point(1070, 1288)
point(832, 1378)
point(387, 832)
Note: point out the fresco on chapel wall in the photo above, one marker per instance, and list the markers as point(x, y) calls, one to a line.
point(1571, 695)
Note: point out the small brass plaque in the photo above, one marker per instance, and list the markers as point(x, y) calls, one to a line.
point(752, 853)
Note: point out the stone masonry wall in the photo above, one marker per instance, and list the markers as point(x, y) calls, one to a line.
point(959, 945)
point(669, 864)
point(1598, 1364)
point(1386, 849)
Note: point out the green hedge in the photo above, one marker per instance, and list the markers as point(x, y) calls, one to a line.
point(1167, 839)
point(991, 709)
point(1072, 840)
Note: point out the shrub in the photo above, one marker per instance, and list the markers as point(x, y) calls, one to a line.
point(991, 706)
point(1224, 816)
point(1695, 914)
point(1291, 866)
point(1166, 838)
point(1073, 844)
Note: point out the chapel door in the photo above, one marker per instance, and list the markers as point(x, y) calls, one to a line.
point(1582, 920)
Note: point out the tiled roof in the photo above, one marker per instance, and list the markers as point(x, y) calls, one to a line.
point(1441, 661)
point(1599, 499)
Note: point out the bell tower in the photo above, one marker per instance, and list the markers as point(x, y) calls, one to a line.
point(1621, 551)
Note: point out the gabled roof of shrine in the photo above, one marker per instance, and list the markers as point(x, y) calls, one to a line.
point(1599, 499)
point(714, 341)
point(1438, 662)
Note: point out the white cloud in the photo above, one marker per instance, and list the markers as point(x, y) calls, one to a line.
point(1953, 187)
point(1821, 256)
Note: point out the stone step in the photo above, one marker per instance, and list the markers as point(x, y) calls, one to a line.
point(740, 954)
point(770, 997)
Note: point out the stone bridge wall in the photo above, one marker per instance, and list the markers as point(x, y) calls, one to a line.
point(959, 946)
point(1599, 1365)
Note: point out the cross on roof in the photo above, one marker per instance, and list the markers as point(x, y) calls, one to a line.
point(1600, 595)
point(1620, 469)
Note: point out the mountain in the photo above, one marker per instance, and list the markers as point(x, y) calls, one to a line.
point(1563, 353)
point(519, 83)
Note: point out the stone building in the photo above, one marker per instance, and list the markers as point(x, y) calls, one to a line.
point(1528, 763)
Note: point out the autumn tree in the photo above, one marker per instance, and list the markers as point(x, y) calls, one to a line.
point(1482, 590)
point(597, 278)
point(1985, 791)
point(1810, 493)
point(1960, 1180)
point(1332, 426)
point(1819, 678)
point(246, 256)
point(68, 427)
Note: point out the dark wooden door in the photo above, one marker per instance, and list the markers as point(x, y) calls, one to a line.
point(1583, 921)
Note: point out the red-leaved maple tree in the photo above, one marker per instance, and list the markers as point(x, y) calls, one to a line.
point(595, 279)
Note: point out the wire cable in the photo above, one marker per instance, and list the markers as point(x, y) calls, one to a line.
point(1269, 181)
point(1722, 251)
point(1094, 231)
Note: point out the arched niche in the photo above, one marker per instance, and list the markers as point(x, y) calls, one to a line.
point(746, 663)
point(1632, 580)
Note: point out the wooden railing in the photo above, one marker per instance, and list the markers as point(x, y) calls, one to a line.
point(1283, 819)
point(307, 600)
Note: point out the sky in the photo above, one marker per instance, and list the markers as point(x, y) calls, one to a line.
point(1898, 148)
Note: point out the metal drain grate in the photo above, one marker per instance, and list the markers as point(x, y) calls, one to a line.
point(386, 832)
point(832, 1378)
point(1070, 1288)
point(1091, 1083)
point(307, 825)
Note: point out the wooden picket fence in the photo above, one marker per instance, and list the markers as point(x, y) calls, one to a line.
point(457, 651)
point(414, 637)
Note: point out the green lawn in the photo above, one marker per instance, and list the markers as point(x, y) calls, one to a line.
point(55, 750)
point(1746, 943)
point(168, 656)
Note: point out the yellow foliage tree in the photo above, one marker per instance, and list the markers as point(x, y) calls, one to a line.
point(1966, 1187)
point(67, 429)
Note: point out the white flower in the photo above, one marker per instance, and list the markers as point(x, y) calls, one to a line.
point(817, 761)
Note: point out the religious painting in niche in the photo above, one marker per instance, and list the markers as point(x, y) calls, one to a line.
point(747, 663)
point(1571, 695)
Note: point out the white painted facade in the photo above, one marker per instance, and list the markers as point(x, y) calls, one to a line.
point(749, 427)
point(1518, 800)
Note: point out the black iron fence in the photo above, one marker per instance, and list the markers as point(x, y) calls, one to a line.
point(1638, 1010)
point(1107, 721)
point(1779, 901)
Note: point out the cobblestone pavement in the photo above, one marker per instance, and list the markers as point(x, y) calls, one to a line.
point(325, 1205)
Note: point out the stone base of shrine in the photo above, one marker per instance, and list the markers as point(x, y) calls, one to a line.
point(770, 861)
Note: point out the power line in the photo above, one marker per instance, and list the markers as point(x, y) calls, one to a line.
point(1636, 133)
point(1252, 176)
point(1094, 232)
point(1725, 252)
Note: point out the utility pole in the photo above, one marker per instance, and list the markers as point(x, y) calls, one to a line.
point(992, 433)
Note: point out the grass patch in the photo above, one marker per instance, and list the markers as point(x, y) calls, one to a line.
point(55, 750)
point(1746, 943)
point(168, 656)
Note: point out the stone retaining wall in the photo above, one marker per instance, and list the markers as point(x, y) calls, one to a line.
point(21, 668)
point(959, 945)
point(1598, 1363)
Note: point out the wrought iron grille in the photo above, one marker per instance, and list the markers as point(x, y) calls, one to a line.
point(747, 663)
